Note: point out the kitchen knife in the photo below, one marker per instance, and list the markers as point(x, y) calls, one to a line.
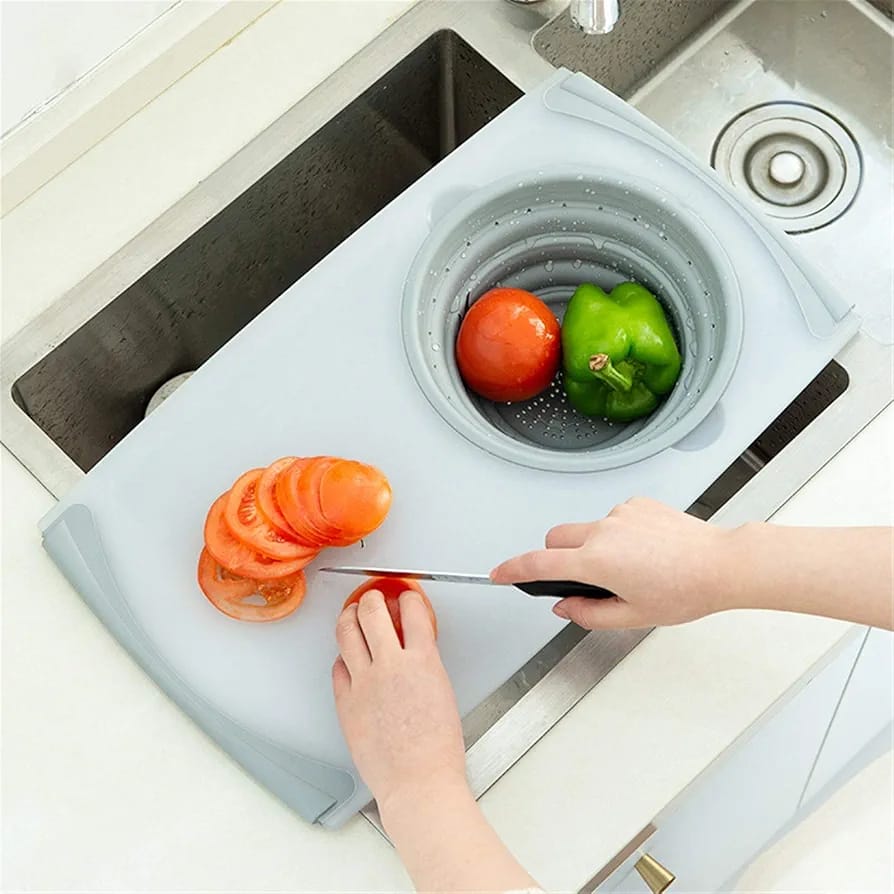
point(556, 588)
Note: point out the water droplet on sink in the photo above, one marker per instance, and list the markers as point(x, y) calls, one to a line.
point(579, 177)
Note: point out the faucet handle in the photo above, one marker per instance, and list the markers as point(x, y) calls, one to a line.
point(595, 16)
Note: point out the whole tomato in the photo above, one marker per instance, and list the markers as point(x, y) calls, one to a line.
point(508, 347)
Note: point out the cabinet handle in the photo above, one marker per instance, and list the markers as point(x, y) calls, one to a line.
point(656, 877)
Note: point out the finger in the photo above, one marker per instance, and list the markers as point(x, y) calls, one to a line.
point(568, 536)
point(376, 624)
point(351, 643)
point(599, 614)
point(542, 564)
point(416, 621)
point(341, 679)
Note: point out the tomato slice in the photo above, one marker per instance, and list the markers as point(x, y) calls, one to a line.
point(237, 557)
point(391, 588)
point(353, 497)
point(249, 526)
point(266, 497)
point(288, 495)
point(309, 498)
point(249, 600)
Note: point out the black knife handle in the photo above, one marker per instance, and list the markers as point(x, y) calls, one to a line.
point(562, 588)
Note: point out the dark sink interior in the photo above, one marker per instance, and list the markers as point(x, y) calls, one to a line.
point(92, 389)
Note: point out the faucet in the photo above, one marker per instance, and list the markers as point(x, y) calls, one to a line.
point(591, 16)
point(595, 16)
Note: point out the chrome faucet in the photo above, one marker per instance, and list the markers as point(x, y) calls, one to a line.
point(595, 16)
point(591, 16)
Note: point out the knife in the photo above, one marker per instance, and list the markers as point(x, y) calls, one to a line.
point(558, 589)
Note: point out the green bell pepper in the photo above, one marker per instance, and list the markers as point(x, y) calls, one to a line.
point(618, 350)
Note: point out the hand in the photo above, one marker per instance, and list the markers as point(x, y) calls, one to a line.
point(665, 566)
point(395, 704)
point(399, 715)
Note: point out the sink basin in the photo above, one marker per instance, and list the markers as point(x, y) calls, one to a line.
point(89, 392)
point(80, 377)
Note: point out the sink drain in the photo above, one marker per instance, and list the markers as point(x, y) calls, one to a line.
point(798, 162)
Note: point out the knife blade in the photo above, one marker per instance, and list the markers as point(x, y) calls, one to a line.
point(558, 589)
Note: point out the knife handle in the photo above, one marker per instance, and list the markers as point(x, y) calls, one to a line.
point(561, 588)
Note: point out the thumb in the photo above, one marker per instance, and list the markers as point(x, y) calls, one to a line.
point(598, 614)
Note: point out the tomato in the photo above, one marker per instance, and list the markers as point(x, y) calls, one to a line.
point(236, 556)
point(249, 526)
point(266, 497)
point(270, 599)
point(309, 499)
point(391, 588)
point(308, 527)
point(353, 497)
point(509, 345)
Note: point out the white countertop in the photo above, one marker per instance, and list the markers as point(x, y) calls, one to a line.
point(107, 786)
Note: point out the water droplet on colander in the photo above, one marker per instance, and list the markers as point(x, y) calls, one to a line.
point(579, 177)
point(577, 263)
point(473, 276)
point(462, 254)
point(548, 266)
point(646, 226)
point(435, 346)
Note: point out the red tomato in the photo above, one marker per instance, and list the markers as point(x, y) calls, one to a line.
point(266, 497)
point(509, 345)
point(271, 599)
point(308, 526)
point(353, 497)
point(238, 558)
point(391, 588)
point(249, 525)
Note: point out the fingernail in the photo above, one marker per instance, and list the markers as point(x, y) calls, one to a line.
point(561, 611)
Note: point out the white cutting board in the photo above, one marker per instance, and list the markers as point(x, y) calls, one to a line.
point(323, 371)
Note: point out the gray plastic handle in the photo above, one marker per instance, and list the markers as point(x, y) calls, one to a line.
point(309, 787)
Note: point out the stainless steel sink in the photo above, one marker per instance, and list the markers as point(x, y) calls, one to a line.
point(91, 390)
point(79, 378)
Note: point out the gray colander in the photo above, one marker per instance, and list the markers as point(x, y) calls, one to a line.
point(548, 234)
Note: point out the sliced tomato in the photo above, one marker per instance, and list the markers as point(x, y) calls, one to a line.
point(391, 588)
point(266, 497)
point(246, 522)
point(249, 600)
point(288, 495)
point(353, 497)
point(309, 497)
point(237, 557)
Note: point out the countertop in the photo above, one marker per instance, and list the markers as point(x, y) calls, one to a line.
point(107, 786)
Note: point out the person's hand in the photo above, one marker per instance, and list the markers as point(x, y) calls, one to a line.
point(665, 566)
point(395, 703)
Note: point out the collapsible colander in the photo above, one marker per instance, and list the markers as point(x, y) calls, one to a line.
point(549, 234)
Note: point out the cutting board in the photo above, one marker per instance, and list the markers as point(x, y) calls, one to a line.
point(323, 371)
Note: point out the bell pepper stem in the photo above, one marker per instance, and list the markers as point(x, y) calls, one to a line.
point(602, 367)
